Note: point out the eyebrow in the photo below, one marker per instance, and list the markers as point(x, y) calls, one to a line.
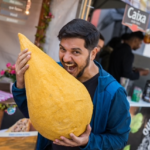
point(99, 46)
point(78, 49)
point(61, 46)
point(71, 48)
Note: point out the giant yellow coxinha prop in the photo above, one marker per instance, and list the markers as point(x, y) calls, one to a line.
point(58, 103)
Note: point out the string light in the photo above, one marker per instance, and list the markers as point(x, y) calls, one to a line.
point(27, 12)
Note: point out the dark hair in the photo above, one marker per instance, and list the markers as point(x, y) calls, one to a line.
point(137, 34)
point(114, 42)
point(101, 37)
point(78, 28)
point(125, 36)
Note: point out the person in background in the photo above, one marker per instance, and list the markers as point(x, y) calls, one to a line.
point(124, 37)
point(101, 42)
point(100, 45)
point(110, 125)
point(121, 59)
point(104, 54)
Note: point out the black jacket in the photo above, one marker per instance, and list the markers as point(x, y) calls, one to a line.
point(120, 64)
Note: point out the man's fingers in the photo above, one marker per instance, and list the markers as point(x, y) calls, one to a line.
point(74, 138)
point(23, 56)
point(24, 61)
point(88, 130)
point(24, 51)
point(21, 63)
point(59, 142)
point(23, 70)
point(68, 141)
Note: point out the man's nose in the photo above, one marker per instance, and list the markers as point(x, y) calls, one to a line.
point(67, 57)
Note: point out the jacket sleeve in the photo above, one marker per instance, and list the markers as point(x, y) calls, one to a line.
point(20, 99)
point(127, 67)
point(118, 126)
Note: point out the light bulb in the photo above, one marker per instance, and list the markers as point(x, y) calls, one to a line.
point(27, 12)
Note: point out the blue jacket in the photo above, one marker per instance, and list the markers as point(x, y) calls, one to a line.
point(111, 118)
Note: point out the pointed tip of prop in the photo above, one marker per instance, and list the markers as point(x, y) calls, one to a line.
point(23, 41)
point(20, 35)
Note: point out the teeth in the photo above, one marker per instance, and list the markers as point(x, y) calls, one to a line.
point(69, 69)
point(69, 65)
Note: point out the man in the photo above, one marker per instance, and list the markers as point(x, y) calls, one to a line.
point(122, 58)
point(124, 37)
point(101, 42)
point(99, 46)
point(106, 51)
point(111, 118)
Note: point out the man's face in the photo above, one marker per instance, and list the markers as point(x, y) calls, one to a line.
point(100, 44)
point(137, 43)
point(74, 57)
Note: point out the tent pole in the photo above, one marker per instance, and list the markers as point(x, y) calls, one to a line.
point(85, 8)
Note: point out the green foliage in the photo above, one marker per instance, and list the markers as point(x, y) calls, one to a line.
point(127, 147)
point(5, 106)
point(46, 7)
point(47, 16)
point(136, 122)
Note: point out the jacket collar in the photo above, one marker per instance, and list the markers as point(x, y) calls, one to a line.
point(104, 78)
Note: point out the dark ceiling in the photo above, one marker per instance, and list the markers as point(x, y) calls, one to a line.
point(101, 4)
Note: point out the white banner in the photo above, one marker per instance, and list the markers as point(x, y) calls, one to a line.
point(18, 134)
point(63, 11)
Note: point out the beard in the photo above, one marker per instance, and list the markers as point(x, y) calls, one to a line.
point(135, 48)
point(82, 68)
point(86, 65)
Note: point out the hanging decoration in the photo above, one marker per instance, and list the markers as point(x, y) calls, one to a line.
point(28, 6)
point(10, 109)
point(45, 18)
point(147, 37)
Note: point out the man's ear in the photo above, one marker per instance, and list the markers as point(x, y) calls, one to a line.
point(93, 53)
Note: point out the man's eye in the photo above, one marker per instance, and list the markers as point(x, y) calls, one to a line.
point(76, 52)
point(62, 49)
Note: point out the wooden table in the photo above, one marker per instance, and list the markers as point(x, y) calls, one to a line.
point(18, 143)
point(1, 117)
point(15, 143)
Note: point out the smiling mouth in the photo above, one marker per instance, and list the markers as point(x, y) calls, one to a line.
point(70, 67)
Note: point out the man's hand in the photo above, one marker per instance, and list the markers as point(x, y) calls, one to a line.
point(144, 72)
point(82, 140)
point(21, 67)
